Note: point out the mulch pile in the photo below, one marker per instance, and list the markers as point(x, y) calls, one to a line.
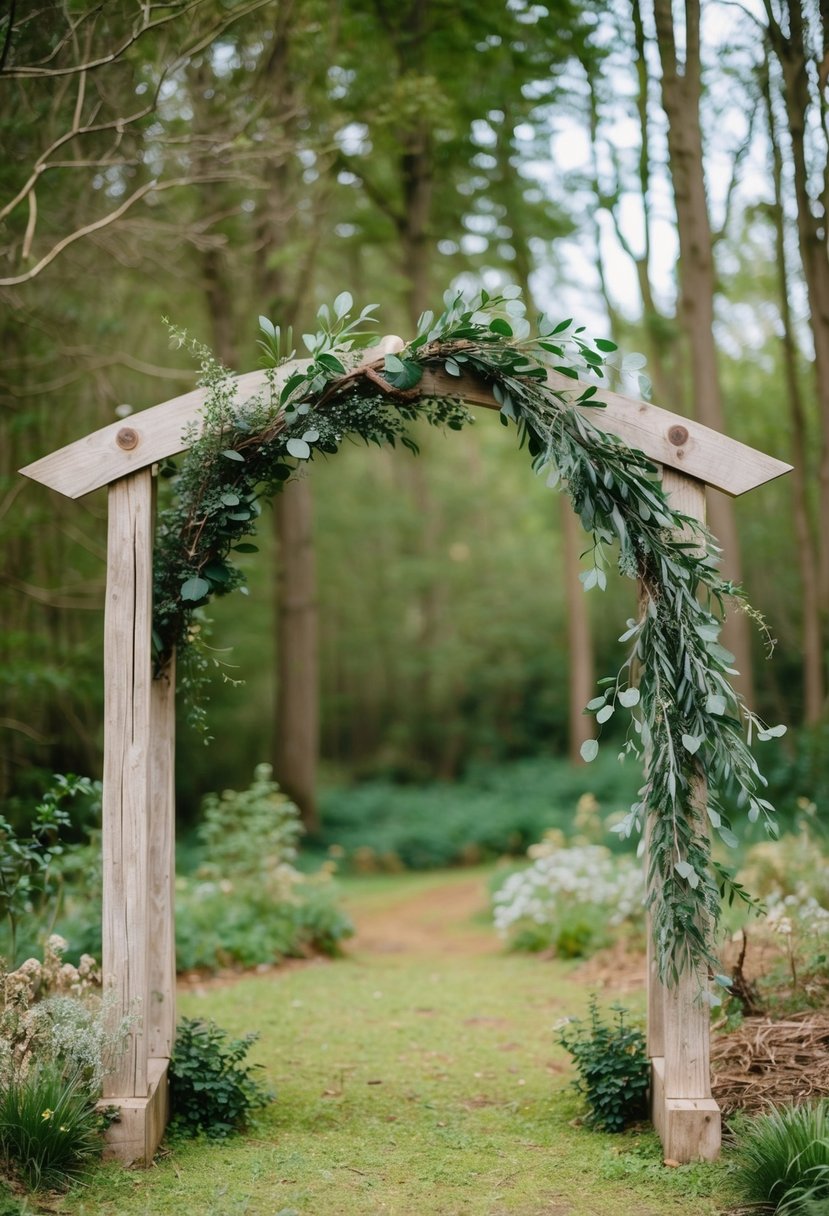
point(767, 1063)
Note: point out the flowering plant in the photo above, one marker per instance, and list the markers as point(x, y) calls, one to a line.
point(566, 896)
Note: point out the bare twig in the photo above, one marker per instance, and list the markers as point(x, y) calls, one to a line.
point(38, 72)
point(103, 222)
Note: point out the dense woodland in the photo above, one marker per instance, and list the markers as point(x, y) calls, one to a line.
point(657, 171)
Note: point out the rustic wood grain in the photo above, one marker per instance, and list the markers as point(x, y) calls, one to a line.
point(126, 792)
point(161, 1011)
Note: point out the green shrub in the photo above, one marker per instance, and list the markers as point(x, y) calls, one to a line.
point(30, 882)
point(244, 926)
point(783, 1160)
point(613, 1068)
point(493, 811)
point(211, 1090)
point(248, 903)
point(49, 1126)
point(249, 834)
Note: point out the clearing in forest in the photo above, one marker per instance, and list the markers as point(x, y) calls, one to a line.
point(418, 1076)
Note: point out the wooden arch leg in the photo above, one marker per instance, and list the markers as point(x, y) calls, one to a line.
point(137, 1085)
point(682, 1108)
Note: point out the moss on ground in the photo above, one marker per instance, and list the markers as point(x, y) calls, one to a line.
point(422, 1081)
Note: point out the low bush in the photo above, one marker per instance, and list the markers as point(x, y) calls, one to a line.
point(211, 1089)
point(227, 925)
point(247, 902)
point(492, 812)
point(613, 1068)
point(569, 900)
point(783, 1161)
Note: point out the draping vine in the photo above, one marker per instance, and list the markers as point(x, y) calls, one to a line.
point(682, 713)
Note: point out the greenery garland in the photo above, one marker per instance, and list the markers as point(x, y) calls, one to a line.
point(683, 714)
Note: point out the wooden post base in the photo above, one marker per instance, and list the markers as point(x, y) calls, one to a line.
point(690, 1128)
point(139, 1125)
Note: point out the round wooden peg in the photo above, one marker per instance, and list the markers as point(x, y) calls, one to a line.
point(127, 438)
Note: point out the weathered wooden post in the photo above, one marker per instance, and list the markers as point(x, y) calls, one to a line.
point(682, 1108)
point(138, 947)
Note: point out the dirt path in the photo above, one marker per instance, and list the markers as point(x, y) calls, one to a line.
point(437, 921)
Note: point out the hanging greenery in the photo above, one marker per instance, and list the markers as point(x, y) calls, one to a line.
point(682, 713)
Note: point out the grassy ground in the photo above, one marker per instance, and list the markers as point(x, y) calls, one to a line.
point(417, 1077)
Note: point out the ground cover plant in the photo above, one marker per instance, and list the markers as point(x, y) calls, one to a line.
point(494, 811)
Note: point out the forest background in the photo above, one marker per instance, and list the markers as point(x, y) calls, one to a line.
point(658, 172)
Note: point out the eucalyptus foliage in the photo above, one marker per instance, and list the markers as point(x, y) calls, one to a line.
point(673, 688)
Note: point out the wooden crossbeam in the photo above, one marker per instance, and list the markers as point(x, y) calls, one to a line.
point(159, 432)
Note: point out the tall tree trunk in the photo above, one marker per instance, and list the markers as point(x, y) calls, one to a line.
point(297, 692)
point(814, 690)
point(581, 664)
point(663, 347)
point(579, 636)
point(681, 91)
point(791, 52)
point(296, 614)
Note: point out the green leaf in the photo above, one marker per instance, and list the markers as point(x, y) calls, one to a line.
point(298, 448)
point(452, 367)
point(715, 704)
point(499, 326)
point(218, 573)
point(267, 327)
point(596, 703)
point(605, 344)
point(194, 588)
point(330, 362)
point(727, 837)
point(685, 870)
point(629, 697)
point(692, 743)
point(604, 714)
point(229, 454)
point(245, 548)
point(589, 750)
point(343, 304)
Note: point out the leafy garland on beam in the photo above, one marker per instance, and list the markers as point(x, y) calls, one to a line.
point(683, 715)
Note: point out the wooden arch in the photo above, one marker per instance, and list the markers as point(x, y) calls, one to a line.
point(139, 741)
